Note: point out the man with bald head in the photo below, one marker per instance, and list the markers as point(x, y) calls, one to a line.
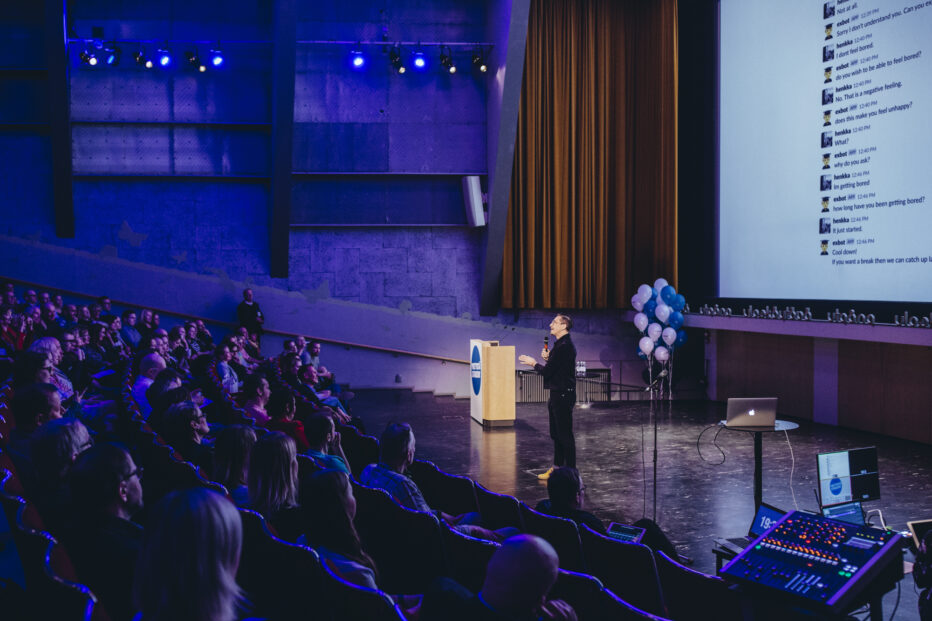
point(517, 580)
point(150, 366)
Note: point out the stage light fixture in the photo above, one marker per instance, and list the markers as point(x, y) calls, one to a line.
point(142, 60)
point(194, 60)
point(164, 57)
point(446, 59)
point(419, 60)
point(478, 61)
point(216, 58)
point(357, 58)
point(89, 57)
point(394, 56)
point(111, 54)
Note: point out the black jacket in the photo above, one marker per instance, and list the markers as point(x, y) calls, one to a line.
point(560, 371)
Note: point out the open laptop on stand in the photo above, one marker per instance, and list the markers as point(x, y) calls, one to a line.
point(751, 412)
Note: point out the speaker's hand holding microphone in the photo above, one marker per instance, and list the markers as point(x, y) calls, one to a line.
point(545, 352)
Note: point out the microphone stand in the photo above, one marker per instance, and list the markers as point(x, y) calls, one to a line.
point(653, 413)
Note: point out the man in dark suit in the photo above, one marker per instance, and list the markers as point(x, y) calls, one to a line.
point(560, 378)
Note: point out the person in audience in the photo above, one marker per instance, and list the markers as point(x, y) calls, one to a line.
point(302, 350)
point(273, 483)
point(518, 579)
point(184, 427)
point(189, 557)
point(250, 346)
point(290, 367)
point(324, 441)
point(228, 377)
point(97, 312)
point(190, 337)
point(29, 368)
point(33, 406)
point(50, 324)
point(396, 452)
point(249, 315)
point(118, 349)
point(241, 361)
point(566, 497)
point(130, 334)
point(167, 379)
point(149, 367)
point(11, 339)
point(156, 320)
point(308, 377)
point(204, 337)
point(57, 443)
point(50, 345)
point(44, 298)
point(58, 301)
point(325, 377)
point(256, 392)
point(289, 346)
point(84, 315)
point(10, 299)
point(281, 409)
point(95, 354)
point(30, 298)
point(144, 322)
point(329, 507)
point(70, 314)
point(178, 346)
point(105, 304)
point(232, 451)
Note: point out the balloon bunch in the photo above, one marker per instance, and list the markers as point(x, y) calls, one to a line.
point(660, 320)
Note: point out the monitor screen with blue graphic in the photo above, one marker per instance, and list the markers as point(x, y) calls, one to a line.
point(845, 476)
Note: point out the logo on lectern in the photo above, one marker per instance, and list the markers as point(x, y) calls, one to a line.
point(475, 369)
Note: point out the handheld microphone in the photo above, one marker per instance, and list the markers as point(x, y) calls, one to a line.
point(546, 343)
point(659, 377)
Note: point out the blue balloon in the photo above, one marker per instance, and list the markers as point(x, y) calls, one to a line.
point(676, 320)
point(649, 307)
point(653, 294)
point(642, 355)
point(679, 302)
point(680, 337)
point(668, 294)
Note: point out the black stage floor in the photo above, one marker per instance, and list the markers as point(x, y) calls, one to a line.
point(699, 498)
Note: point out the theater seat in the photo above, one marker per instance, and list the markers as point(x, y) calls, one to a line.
point(349, 601)
point(446, 492)
point(498, 510)
point(466, 557)
point(561, 533)
point(694, 596)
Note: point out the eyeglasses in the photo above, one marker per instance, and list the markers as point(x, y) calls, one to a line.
point(137, 472)
point(87, 445)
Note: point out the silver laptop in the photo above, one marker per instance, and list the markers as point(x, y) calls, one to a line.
point(756, 412)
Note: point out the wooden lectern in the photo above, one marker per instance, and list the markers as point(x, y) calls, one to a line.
point(491, 383)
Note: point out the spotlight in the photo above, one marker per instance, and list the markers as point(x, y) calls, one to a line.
point(142, 60)
point(419, 60)
point(357, 59)
point(394, 56)
point(89, 57)
point(111, 54)
point(478, 61)
point(446, 59)
point(216, 58)
point(164, 57)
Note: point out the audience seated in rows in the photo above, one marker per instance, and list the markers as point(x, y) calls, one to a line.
point(131, 336)
point(324, 440)
point(273, 484)
point(189, 557)
point(518, 579)
point(102, 539)
point(229, 378)
point(232, 451)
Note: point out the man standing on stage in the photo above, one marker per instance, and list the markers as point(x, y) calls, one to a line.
point(559, 373)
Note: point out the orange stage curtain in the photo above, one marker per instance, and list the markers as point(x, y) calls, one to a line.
point(593, 195)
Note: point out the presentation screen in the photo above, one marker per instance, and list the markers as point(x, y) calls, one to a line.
point(825, 150)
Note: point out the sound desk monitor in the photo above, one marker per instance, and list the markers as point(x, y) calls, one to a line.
point(846, 476)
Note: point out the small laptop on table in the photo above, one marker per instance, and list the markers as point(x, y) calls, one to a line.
point(751, 412)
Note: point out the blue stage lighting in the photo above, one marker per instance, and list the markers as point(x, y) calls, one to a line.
point(164, 57)
point(88, 57)
point(357, 59)
point(111, 54)
point(419, 60)
point(216, 58)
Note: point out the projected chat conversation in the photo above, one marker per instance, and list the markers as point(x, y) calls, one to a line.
point(840, 209)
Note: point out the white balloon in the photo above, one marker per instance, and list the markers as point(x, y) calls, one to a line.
point(653, 331)
point(646, 345)
point(661, 353)
point(644, 292)
point(663, 312)
point(637, 302)
point(660, 283)
point(640, 321)
point(669, 335)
